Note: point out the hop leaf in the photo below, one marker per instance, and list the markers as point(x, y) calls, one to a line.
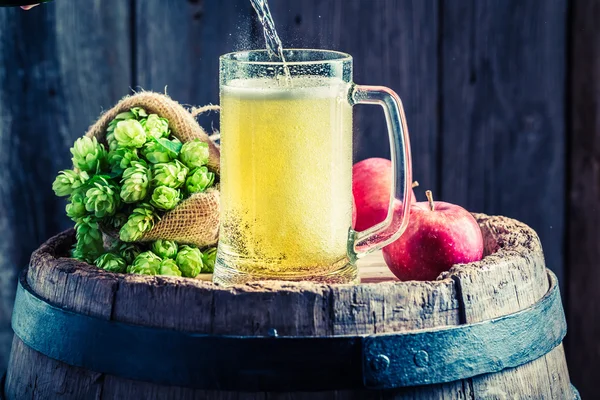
point(89, 239)
point(111, 262)
point(189, 260)
point(102, 198)
point(130, 133)
point(199, 180)
point(156, 126)
point(128, 251)
point(165, 198)
point(68, 181)
point(170, 174)
point(135, 182)
point(209, 257)
point(76, 208)
point(155, 152)
point(140, 221)
point(169, 267)
point(194, 153)
point(88, 154)
point(165, 248)
point(146, 263)
point(121, 158)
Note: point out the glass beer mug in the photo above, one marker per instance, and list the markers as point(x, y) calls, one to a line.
point(286, 168)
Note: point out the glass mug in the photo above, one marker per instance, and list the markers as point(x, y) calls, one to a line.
point(286, 168)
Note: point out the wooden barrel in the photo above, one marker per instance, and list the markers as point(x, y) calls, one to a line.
point(485, 330)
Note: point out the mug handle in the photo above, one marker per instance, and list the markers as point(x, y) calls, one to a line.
point(390, 229)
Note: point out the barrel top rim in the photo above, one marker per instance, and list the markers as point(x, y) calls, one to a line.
point(513, 239)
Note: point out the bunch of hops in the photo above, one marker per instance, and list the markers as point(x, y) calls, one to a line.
point(144, 173)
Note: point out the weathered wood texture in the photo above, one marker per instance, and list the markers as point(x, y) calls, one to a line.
point(393, 43)
point(502, 122)
point(178, 44)
point(510, 279)
point(583, 261)
point(61, 64)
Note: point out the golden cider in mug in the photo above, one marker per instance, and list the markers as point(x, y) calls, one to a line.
point(286, 176)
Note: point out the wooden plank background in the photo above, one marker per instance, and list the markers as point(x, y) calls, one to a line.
point(502, 98)
point(583, 212)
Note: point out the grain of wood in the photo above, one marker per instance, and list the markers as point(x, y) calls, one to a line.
point(70, 287)
point(583, 305)
point(62, 63)
point(507, 281)
point(178, 44)
point(504, 282)
point(393, 43)
point(503, 70)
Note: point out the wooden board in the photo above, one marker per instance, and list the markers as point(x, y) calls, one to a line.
point(503, 70)
point(583, 272)
point(62, 63)
point(393, 43)
point(178, 44)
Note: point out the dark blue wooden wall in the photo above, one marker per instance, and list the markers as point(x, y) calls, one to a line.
point(498, 102)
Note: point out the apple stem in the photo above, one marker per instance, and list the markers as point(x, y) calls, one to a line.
point(430, 199)
point(415, 184)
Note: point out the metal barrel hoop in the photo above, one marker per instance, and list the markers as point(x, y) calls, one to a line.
point(284, 363)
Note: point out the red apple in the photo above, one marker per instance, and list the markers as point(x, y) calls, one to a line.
point(438, 236)
point(371, 182)
point(353, 215)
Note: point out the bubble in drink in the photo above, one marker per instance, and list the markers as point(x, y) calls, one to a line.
point(272, 41)
point(286, 176)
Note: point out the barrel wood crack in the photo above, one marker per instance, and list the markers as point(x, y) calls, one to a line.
point(511, 277)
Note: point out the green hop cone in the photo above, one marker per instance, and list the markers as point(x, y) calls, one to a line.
point(189, 261)
point(88, 155)
point(110, 131)
point(121, 158)
point(124, 116)
point(146, 263)
point(165, 248)
point(112, 142)
point(102, 199)
point(156, 126)
point(111, 262)
point(89, 239)
point(77, 253)
point(130, 133)
point(138, 112)
point(165, 198)
point(135, 182)
point(209, 257)
point(128, 251)
point(199, 180)
point(194, 153)
point(139, 222)
point(76, 208)
point(170, 174)
point(156, 153)
point(115, 222)
point(68, 181)
point(169, 267)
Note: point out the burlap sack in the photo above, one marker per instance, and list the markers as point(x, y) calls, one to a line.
point(196, 219)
